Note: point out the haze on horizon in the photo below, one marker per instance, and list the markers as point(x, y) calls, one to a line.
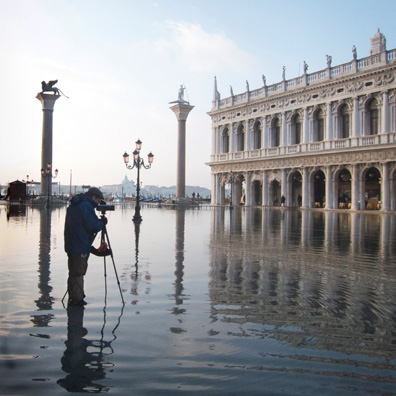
point(121, 63)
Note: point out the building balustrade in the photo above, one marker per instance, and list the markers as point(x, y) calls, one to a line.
point(325, 147)
point(337, 71)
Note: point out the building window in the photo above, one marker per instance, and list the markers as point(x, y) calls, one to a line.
point(275, 132)
point(241, 138)
point(226, 141)
point(296, 130)
point(319, 126)
point(344, 122)
point(373, 117)
point(257, 135)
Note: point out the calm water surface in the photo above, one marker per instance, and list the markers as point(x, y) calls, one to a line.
point(247, 301)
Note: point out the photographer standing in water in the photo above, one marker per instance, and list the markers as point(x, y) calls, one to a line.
point(81, 227)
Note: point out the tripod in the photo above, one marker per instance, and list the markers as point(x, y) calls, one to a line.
point(104, 239)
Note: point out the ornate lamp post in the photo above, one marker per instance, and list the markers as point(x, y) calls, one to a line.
point(48, 173)
point(138, 162)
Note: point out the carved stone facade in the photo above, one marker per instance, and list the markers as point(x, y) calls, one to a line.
point(325, 139)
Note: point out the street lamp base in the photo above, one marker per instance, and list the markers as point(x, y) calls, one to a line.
point(137, 219)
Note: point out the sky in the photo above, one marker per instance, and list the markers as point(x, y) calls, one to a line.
point(121, 62)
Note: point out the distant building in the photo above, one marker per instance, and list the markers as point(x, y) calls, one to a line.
point(16, 190)
point(323, 139)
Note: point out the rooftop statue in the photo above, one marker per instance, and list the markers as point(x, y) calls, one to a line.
point(180, 96)
point(49, 87)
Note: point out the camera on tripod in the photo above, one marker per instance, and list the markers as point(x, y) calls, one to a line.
point(103, 207)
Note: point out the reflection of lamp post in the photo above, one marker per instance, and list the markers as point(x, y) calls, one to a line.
point(47, 173)
point(138, 162)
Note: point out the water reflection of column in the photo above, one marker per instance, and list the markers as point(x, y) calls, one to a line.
point(330, 232)
point(386, 233)
point(355, 232)
point(285, 227)
point(236, 220)
point(218, 216)
point(180, 221)
point(45, 301)
point(306, 227)
point(266, 224)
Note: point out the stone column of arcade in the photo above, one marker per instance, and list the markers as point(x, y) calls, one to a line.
point(181, 110)
point(48, 102)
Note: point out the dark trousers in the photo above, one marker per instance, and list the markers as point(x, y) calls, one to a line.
point(75, 284)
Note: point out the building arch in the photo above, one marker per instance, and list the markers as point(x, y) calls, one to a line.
point(295, 189)
point(240, 137)
point(275, 192)
point(344, 121)
point(371, 188)
point(222, 180)
point(318, 125)
point(343, 178)
point(256, 190)
point(392, 188)
point(275, 131)
point(318, 192)
point(257, 134)
point(225, 140)
point(296, 128)
point(372, 116)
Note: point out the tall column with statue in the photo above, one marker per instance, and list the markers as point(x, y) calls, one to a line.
point(181, 108)
point(48, 102)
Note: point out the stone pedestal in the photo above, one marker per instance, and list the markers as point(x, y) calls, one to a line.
point(48, 102)
point(181, 111)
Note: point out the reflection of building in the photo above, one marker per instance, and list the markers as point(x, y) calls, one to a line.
point(324, 139)
point(299, 275)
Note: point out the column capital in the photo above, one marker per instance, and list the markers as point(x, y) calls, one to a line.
point(181, 111)
point(47, 100)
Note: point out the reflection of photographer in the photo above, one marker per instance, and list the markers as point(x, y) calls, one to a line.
point(82, 367)
point(81, 227)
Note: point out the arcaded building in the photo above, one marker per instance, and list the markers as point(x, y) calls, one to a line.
point(324, 139)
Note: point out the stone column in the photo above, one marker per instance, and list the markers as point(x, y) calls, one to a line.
point(385, 113)
point(265, 188)
point(248, 198)
point(329, 189)
point(356, 189)
point(385, 187)
point(306, 189)
point(284, 141)
point(181, 111)
point(284, 191)
point(306, 126)
point(355, 118)
point(48, 102)
point(213, 197)
point(265, 133)
point(329, 134)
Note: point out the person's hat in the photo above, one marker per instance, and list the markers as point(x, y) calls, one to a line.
point(94, 191)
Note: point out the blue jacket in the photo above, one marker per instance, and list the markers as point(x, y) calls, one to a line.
point(81, 225)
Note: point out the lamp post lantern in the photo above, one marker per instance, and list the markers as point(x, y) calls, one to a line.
point(138, 162)
point(47, 173)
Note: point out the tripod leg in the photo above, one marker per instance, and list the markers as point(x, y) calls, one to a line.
point(114, 266)
point(65, 295)
point(102, 240)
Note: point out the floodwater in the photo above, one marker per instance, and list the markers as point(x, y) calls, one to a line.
point(217, 301)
